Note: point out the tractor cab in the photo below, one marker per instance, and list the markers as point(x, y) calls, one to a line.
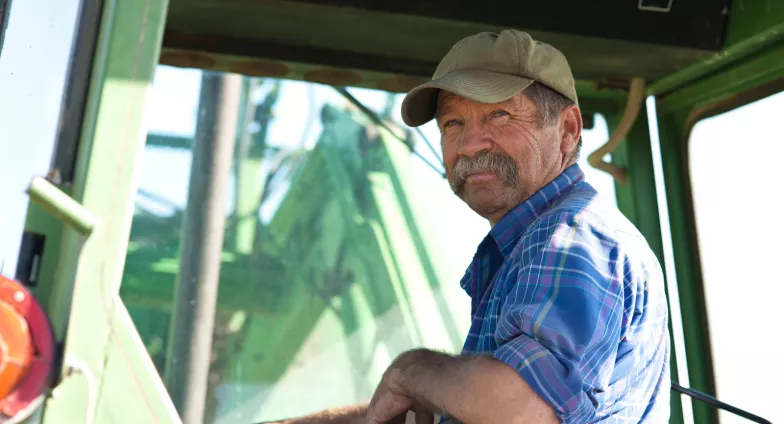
point(214, 213)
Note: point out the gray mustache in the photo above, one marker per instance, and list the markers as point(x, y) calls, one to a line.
point(498, 163)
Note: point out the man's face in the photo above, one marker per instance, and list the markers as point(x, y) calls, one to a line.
point(498, 155)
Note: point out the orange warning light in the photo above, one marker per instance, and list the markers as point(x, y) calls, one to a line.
point(26, 348)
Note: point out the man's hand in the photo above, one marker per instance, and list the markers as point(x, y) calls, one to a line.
point(389, 401)
point(473, 390)
point(392, 400)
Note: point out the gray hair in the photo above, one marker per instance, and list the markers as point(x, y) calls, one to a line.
point(551, 103)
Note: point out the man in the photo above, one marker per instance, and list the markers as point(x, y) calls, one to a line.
point(569, 318)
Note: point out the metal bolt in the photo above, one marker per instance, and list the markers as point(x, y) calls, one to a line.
point(19, 296)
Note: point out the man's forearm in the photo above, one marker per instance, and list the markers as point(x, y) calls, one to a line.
point(356, 414)
point(478, 389)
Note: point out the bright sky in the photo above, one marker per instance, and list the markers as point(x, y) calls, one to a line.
point(734, 163)
point(32, 72)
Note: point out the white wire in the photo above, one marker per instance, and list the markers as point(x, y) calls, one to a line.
point(74, 364)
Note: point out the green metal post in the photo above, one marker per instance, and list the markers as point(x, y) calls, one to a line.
point(743, 79)
point(190, 344)
point(734, 53)
point(119, 383)
point(678, 111)
point(685, 250)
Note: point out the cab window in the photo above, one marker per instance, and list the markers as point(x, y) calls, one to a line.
point(342, 247)
point(734, 162)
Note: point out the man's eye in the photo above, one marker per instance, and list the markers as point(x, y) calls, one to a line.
point(499, 113)
point(451, 122)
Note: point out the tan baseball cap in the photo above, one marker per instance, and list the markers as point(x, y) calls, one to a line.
point(490, 68)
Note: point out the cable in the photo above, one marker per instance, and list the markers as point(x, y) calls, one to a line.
point(634, 103)
point(718, 404)
point(74, 365)
point(429, 146)
point(373, 117)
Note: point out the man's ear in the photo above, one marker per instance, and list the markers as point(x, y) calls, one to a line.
point(571, 128)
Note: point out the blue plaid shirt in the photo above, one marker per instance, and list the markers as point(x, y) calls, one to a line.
point(566, 291)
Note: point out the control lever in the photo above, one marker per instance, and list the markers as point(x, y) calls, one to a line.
point(710, 400)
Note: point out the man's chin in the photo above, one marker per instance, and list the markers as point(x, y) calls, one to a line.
point(486, 202)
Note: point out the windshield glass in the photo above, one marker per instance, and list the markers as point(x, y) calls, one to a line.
point(342, 246)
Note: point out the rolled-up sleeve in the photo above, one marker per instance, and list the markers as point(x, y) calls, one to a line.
point(561, 318)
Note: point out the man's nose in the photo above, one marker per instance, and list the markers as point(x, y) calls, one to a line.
point(475, 139)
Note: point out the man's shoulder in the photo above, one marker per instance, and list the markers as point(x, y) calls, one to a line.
point(584, 206)
point(596, 218)
point(604, 264)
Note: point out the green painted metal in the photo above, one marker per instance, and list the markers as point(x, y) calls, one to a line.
point(641, 187)
point(41, 221)
point(131, 390)
point(750, 17)
point(747, 78)
point(84, 300)
point(595, 97)
point(240, 33)
point(685, 250)
point(736, 52)
point(62, 206)
point(742, 77)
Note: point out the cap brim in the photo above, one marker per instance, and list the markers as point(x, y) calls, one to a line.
point(419, 105)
